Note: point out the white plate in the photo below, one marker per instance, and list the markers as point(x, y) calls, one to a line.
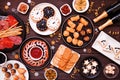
point(57, 15)
point(82, 11)
point(111, 41)
point(20, 66)
point(61, 54)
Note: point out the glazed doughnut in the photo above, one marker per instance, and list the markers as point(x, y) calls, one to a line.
point(36, 14)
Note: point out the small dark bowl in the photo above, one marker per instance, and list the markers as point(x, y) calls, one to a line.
point(49, 53)
point(91, 26)
point(90, 76)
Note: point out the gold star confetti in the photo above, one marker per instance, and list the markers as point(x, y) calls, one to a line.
point(16, 56)
point(45, 69)
point(6, 7)
point(32, 71)
point(52, 42)
point(51, 66)
point(89, 50)
point(27, 28)
point(32, 3)
point(51, 35)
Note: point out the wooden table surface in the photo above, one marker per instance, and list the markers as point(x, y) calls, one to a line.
point(111, 30)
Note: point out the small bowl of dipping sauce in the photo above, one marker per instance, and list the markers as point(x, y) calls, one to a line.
point(80, 6)
point(23, 7)
point(65, 9)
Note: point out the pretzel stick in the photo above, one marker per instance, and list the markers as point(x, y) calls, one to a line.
point(11, 32)
point(1, 32)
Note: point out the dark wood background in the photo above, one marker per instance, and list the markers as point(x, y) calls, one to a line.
point(102, 4)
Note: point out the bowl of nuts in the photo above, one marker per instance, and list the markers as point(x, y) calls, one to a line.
point(50, 74)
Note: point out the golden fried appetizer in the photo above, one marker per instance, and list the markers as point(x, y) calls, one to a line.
point(67, 54)
point(66, 33)
point(72, 61)
point(80, 43)
point(21, 70)
point(75, 41)
point(15, 77)
point(61, 63)
point(75, 18)
point(82, 32)
point(70, 29)
point(69, 39)
point(71, 24)
point(21, 76)
point(83, 21)
point(79, 27)
point(86, 38)
point(76, 34)
point(74, 58)
point(89, 31)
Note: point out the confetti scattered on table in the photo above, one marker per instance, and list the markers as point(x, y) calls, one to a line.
point(36, 74)
point(16, 56)
point(94, 10)
point(32, 71)
point(8, 3)
point(52, 47)
point(84, 50)
point(52, 42)
point(27, 28)
point(32, 3)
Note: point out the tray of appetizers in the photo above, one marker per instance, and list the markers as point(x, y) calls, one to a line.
point(77, 31)
point(65, 59)
point(107, 46)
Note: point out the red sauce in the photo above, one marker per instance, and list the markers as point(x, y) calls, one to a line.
point(23, 8)
point(36, 52)
point(65, 9)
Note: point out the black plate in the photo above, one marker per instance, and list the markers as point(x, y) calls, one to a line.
point(90, 25)
point(23, 35)
point(99, 67)
point(49, 52)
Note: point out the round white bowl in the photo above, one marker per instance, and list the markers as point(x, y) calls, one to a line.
point(81, 11)
point(48, 70)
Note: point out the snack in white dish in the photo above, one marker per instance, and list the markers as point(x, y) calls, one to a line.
point(116, 49)
point(109, 47)
point(103, 43)
point(65, 9)
point(80, 6)
point(65, 59)
point(50, 74)
point(23, 7)
point(53, 23)
point(117, 55)
point(36, 14)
